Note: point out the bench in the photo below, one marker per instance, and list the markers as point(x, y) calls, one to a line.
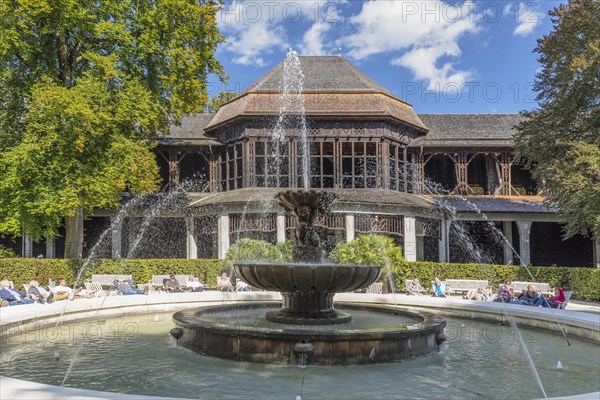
point(540, 287)
point(375, 288)
point(464, 285)
point(563, 304)
point(109, 280)
point(157, 280)
point(94, 289)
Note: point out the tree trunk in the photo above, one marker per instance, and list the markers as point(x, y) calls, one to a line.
point(74, 235)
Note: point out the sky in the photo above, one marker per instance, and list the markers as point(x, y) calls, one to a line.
point(441, 57)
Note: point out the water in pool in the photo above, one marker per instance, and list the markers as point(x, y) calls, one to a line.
point(135, 354)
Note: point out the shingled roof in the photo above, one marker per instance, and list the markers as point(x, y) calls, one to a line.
point(468, 130)
point(322, 74)
point(190, 131)
point(487, 204)
point(332, 88)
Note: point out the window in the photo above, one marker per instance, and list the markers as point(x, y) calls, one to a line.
point(321, 165)
point(359, 165)
point(232, 168)
point(271, 164)
point(396, 168)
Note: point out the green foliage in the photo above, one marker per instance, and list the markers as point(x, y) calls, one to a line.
point(168, 45)
point(574, 183)
point(560, 140)
point(218, 100)
point(143, 269)
point(23, 270)
point(6, 253)
point(257, 250)
point(79, 149)
point(85, 88)
point(370, 249)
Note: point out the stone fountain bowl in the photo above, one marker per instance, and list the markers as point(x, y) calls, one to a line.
point(307, 289)
point(307, 277)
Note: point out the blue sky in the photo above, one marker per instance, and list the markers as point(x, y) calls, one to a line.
point(442, 57)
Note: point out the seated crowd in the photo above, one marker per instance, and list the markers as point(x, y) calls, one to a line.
point(9, 296)
point(506, 294)
point(437, 288)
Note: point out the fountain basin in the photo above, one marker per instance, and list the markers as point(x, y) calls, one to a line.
point(405, 335)
point(307, 289)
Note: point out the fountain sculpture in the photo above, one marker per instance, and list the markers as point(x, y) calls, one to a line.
point(287, 333)
point(307, 288)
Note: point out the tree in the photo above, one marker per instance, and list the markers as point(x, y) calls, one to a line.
point(85, 87)
point(560, 140)
point(218, 100)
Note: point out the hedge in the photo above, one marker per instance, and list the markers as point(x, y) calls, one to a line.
point(585, 282)
point(23, 270)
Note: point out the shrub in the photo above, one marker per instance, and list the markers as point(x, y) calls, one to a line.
point(370, 249)
point(6, 253)
point(257, 250)
point(23, 270)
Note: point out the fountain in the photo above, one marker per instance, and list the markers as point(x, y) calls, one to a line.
point(307, 287)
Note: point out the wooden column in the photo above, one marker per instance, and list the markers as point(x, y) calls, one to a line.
point(419, 174)
point(444, 241)
point(504, 161)
point(223, 235)
point(173, 158)
point(280, 227)
point(349, 227)
point(116, 234)
point(383, 176)
point(508, 235)
point(410, 238)
point(524, 248)
point(50, 248)
point(27, 246)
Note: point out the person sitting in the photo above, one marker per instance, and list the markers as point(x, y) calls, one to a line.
point(506, 292)
point(13, 296)
point(172, 285)
point(241, 286)
point(414, 288)
point(39, 293)
point(478, 294)
point(527, 297)
point(551, 302)
point(439, 289)
point(193, 284)
point(62, 291)
point(125, 287)
point(224, 283)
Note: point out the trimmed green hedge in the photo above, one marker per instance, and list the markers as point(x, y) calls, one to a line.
point(23, 270)
point(585, 282)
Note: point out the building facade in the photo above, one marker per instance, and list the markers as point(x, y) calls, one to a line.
point(446, 186)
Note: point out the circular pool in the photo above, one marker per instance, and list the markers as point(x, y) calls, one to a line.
point(135, 354)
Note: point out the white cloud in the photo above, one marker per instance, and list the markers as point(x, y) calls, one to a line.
point(312, 42)
point(527, 16)
point(423, 32)
point(255, 29)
